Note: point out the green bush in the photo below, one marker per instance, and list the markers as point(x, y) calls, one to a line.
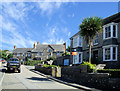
point(51, 58)
point(91, 67)
point(49, 66)
point(33, 62)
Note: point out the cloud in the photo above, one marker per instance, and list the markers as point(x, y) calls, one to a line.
point(48, 7)
point(69, 34)
point(12, 14)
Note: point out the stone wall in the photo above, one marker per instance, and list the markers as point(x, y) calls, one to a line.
point(79, 75)
point(44, 70)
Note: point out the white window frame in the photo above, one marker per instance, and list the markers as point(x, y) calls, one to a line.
point(111, 26)
point(76, 41)
point(111, 52)
point(77, 61)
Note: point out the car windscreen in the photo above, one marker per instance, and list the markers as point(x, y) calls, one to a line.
point(13, 60)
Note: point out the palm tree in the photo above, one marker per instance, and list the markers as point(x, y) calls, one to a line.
point(89, 28)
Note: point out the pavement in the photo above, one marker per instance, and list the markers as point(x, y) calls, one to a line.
point(30, 80)
point(2, 72)
point(32, 68)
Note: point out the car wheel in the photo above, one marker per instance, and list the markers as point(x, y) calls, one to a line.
point(8, 69)
point(19, 71)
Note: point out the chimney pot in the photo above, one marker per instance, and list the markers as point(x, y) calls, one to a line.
point(37, 43)
point(14, 46)
point(34, 45)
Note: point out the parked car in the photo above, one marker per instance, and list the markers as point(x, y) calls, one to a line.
point(3, 61)
point(14, 64)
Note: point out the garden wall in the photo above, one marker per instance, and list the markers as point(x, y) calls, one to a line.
point(99, 80)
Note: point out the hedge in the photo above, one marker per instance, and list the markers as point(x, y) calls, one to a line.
point(91, 67)
point(113, 72)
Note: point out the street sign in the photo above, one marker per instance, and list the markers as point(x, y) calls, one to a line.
point(74, 53)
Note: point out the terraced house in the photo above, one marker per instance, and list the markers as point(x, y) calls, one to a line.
point(39, 51)
point(106, 46)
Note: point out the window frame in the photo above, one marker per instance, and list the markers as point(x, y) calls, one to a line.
point(111, 30)
point(111, 52)
point(77, 61)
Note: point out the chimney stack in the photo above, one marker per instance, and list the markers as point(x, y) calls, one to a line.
point(65, 46)
point(14, 46)
point(34, 45)
point(38, 43)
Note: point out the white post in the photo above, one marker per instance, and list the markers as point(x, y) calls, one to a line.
point(111, 30)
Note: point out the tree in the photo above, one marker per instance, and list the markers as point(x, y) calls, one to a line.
point(9, 56)
point(4, 55)
point(68, 49)
point(89, 28)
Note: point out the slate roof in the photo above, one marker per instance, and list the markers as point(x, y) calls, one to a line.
point(22, 50)
point(42, 47)
point(75, 34)
point(113, 18)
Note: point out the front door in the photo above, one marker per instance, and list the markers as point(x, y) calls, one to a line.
point(95, 57)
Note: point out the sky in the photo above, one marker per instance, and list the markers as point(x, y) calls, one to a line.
point(23, 23)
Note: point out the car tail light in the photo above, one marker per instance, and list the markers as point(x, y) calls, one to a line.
point(20, 64)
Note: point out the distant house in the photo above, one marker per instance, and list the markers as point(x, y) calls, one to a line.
point(39, 51)
point(106, 46)
point(44, 51)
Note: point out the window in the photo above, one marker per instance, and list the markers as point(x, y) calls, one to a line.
point(66, 61)
point(107, 53)
point(110, 31)
point(39, 53)
point(23, 54)
point(110, 53)
point(95, 42)
point(107, 32)
point(18, 54)
point(74, 42)
point(77, 41)
point(77, 59)
point(80, 41)
point(58, 54)
point(48, 50)
point(28, 54)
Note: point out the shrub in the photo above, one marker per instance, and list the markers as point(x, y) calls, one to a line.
point(33, 62)
point(112, 72)
point(91, 67)
point(51, 58)
point(49, 66)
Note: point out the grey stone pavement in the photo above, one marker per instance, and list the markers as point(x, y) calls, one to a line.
point(30, 80)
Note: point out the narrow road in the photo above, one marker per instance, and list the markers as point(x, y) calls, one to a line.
point(30, 80)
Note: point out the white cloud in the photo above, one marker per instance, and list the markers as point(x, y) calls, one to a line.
point(69, 34)
point(48, 7)
point(12, 31)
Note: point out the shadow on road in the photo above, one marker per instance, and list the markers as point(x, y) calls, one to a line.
point(38, 79)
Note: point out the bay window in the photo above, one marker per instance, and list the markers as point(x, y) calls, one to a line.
point(110, 53)
point(110, 31)
point(77, 41)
